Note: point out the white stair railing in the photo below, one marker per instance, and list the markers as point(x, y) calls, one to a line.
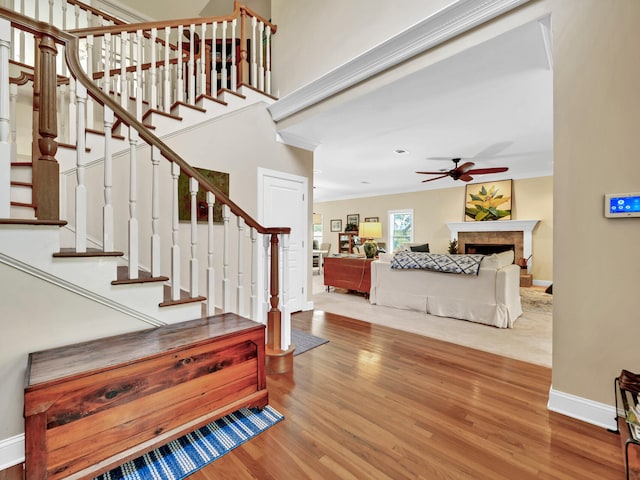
point(92, 219)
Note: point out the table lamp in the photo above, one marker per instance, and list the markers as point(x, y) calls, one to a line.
point(369, 231)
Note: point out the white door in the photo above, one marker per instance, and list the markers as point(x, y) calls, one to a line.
point(284, 204)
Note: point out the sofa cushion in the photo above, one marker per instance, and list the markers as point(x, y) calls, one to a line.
point(498, 260)
point(420, 248)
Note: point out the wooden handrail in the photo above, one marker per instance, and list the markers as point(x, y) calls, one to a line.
point(70, 42)
point(132, 27)
point(95, 11)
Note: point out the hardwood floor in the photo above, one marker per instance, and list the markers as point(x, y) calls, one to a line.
point(377, 403)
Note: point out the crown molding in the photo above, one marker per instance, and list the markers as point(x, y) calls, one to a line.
point(451, 21)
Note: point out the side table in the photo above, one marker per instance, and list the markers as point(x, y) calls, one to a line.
point(351, 273)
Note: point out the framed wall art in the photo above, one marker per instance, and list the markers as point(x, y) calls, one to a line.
point(353, 219)
point(219, 180)
point(488, 201)
point(371, 219)
point(336, 225)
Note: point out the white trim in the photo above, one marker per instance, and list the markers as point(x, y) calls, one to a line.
point(11, 451)
point(583, 409)
point(47, 277)
point(443, 25)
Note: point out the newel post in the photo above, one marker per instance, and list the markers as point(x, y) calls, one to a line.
point(277, 359)
point(46, 171)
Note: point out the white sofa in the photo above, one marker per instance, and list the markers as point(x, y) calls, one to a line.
point(492, 297)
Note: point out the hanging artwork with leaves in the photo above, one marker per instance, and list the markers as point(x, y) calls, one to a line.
point(488, 201)
point(219, 180)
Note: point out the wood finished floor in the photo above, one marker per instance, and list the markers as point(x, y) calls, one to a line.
point(376, 403)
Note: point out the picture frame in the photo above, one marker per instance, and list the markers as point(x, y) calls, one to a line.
point(336, 225)
point(217, 179)
point(371, 219)
point(353, 218)
point(488, 201)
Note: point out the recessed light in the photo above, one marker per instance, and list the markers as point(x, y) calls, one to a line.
point(365, 182)
point(400, 151)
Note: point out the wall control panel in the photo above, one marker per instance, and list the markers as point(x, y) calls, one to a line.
point(622, 205)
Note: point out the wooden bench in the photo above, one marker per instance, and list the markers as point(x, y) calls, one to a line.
point(92, 406)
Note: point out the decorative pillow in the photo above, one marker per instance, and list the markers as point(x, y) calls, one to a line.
point(385, 257)
point(420, 248)
point(498, 260)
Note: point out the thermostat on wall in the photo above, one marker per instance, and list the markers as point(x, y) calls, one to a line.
point(619, 205)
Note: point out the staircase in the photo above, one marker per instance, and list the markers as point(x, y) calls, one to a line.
point(91, 192)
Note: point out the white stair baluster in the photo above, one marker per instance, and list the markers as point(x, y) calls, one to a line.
point(107, 209)
point(21, 36)
point(211, 273)
point(240, 285)
point(261, 57)
point(167, 70)
point(223, 65)
point(81, 191)
point(5, 120)
point(51, 14)
point(266, 255)
point(192, 73)
point(254, 71)
point(89, 70)
point(139, 84)
point(13, 96)
point(72, 111)
point(124, 93)
point(106, 82)
point(226, 286)
point(267, 87)
point(155, 212)
point(153, 93)
point(234, 60)
point(180, 82)
point(254, 304)
point(285, 334)
point(133, 197)
point(193, 263)
point(214, 61)
point(203, 60)
point(175, 229)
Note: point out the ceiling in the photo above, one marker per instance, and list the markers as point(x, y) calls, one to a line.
point(491, 104)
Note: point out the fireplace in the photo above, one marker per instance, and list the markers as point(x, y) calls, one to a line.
point(515, 233)
point(488, 248)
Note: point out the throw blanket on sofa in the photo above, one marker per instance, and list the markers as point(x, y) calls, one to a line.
point(466, 264)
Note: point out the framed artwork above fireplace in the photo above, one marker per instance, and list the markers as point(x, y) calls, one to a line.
point(488, 201)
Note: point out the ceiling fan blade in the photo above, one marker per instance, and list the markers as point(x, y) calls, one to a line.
point(433, 173)
point(434, 178)
point(465, 167)
point(484, 171)
point(465, 177)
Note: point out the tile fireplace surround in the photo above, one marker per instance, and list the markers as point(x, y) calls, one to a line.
point(499, 232)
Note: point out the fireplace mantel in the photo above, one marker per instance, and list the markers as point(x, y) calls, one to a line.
point(524, 226)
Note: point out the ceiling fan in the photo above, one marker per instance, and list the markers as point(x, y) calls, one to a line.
point(463, 172)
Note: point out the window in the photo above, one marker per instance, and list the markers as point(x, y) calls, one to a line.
point(400, 228)
point(317, 229)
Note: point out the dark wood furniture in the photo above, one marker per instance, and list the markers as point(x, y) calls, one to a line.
point(346, 241)
point(351, 273)
point(628, 429)
point(92, 406)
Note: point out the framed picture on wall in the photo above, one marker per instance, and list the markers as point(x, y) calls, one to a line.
point(336, 225)
point(371, 219)
point(489, 201)
point(353, 218)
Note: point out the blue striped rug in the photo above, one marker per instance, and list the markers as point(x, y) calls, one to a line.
point(187, 454)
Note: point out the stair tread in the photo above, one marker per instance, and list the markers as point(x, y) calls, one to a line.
point(143, 277)
point(184, 298)
point(21, 184)
point(160, 112)
point(31, 221)
point(91, 252)
point(21, 164)
point(183, 104)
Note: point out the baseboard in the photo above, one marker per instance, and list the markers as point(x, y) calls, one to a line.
point(595, 413)
point(307, 306)
point(11, 451)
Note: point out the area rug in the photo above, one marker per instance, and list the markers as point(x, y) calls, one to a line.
point(187, 454)
point(305, 341)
